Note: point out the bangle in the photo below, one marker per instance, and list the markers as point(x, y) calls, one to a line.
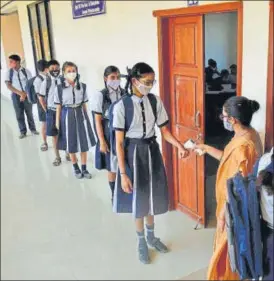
point(122, 174)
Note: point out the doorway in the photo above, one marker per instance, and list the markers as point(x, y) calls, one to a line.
point(39, 22)
point(182, 54)
point(10, 24)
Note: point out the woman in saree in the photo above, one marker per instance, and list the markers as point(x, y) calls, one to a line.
point(238, 156)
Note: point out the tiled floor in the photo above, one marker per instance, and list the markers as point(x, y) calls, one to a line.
point(55, 227)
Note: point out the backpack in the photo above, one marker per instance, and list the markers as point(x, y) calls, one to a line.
point(60, 92)
point(129, 111)
point(243, 226)
point(107, 102)
point(30, 90)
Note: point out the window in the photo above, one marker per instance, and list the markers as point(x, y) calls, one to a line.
point(40, 30)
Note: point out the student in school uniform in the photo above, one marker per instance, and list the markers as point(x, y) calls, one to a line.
point(46, 99)
point(101, 102)
point(16, 80)
point(141, 184)
point(42, 66)
point(72, 121)
point(266, 183)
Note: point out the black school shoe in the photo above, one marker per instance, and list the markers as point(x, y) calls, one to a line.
point(22, 136)
point(86, 174)
point(35, 133)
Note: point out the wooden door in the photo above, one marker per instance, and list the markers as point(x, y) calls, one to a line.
point(186, 64)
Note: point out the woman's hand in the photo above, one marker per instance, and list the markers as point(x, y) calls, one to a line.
point(104, 147)
point(202, 147)
point(183, 153)
point(126, 183)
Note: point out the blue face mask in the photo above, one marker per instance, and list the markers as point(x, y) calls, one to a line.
point(228, 126)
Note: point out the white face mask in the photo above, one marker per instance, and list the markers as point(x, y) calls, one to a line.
point(113, 84)
point(70, 76)
point(143, 89)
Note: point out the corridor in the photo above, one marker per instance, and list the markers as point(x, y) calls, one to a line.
point(55, 227)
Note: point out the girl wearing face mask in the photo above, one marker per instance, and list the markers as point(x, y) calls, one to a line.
point(141, 184)
point(104, 158)
point(46, 99)
point(238, 156)
point(72, 121)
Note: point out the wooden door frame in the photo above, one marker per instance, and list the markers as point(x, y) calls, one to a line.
point(270, 89)
point(162, 29)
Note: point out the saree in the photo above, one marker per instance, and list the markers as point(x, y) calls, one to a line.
point(239, 155)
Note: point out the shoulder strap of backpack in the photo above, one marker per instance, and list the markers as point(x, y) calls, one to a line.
point(60, 93)
point(25, 72)
point(153, 103)
point(129, 111)
point(256, 168)
point(40, 77)
point(84, 91)
point(11, 75)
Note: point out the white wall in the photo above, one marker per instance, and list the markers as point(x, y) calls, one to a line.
point(127, 33)
point(221, 39)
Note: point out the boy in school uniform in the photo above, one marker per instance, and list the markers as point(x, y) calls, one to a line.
point(42, 66)
point(16, 80)
point(46, 98)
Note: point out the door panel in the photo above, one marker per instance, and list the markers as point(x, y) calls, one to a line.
point(187, 105)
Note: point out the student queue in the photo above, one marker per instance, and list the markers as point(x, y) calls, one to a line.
point(125, 141)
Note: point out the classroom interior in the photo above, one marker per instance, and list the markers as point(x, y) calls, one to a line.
point(220, 84)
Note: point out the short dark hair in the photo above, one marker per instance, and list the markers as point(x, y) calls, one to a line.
point(15, 58)
point(242, 109)
point(138, 70)
point(42, 65)
point(53, 62)
point(224, 72)
point(111, 69)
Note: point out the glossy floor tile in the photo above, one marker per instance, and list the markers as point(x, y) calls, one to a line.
point(55, 227)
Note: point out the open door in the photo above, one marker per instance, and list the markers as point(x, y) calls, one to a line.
point(186, 66)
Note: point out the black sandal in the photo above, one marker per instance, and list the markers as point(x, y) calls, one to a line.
point(57, 162)
point(44, 147)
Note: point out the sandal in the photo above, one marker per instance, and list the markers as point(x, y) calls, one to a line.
point(57, 162)
point(44, 147)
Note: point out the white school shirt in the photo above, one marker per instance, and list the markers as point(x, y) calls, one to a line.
point(266, 200)
point(98, 98)
point(71, 95)
point(143, 122)
point(19, 80)
point(52, 89)
point(38, 82)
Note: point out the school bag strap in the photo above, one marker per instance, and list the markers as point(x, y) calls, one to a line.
point(153, 103)
point(11, 75)
point(25, 73)
point(84, 91)
point(12, 71)
point(60, 93)
point(48, 85)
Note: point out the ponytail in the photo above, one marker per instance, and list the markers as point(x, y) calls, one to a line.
point(128, 85)
point(137, 72)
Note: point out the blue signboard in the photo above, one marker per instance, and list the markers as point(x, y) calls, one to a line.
point(193, 2)
point(82, 9)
